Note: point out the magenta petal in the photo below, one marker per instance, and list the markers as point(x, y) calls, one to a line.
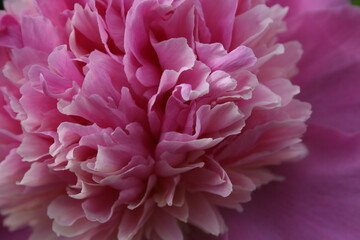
point(316, 201)
point(10, 32)
point(329, 72)
point(17, 235)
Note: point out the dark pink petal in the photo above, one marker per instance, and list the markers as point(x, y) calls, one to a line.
point(86, 34)
point(10, 32)
point(167, 227)
point(17, 235)
point(330, 82)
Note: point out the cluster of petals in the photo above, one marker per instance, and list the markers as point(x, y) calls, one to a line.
point(141, 119)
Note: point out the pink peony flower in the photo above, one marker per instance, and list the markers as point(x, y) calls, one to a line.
point(145, 119)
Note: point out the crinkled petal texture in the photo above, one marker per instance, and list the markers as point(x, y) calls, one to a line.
point(319, 199)
point(140, 119)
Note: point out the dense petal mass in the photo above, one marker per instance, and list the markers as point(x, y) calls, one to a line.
point(142, 119)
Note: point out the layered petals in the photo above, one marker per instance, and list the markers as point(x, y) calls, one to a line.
point(142, 119)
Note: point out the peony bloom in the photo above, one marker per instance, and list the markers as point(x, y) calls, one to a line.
point(146, 119)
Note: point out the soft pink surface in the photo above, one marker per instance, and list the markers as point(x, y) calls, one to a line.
point(319, 197)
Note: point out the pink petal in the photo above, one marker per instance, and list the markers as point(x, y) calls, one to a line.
point(175, 54)
point(329, 71)
point(216, 57)
point(65, 210)
point(303, 6)
point(86, 34)
point(34, 147)
point(251, 25)
point(100, 208)
point(219, 121)
point(10, 32)
point(203, 215)
point(221, 28)
point(17, 235)
point(166, 226)
point(52, 10)
point(317, 200)
point(40, 34)
point(133, 220)
point(38, 175)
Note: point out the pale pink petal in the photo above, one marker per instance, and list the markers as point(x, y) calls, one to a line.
point(216, 57)
point(65, 210)
point(31, 152)
point(175, 54)
point(38, 175)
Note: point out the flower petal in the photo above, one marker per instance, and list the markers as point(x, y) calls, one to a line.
point(331, 82)
point(316, 201)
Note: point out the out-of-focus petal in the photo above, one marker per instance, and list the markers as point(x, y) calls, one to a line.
point(18, 235)
point(329, 69)
point(301, 6)
point(317, 200)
